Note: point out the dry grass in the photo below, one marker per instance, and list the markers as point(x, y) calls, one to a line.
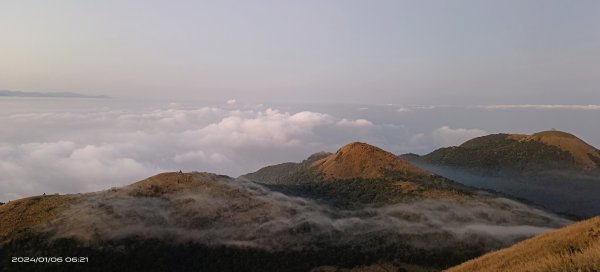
point(173, 182)
point(408, 187)
point(413, 188)
point(573, 248)
point(32, 213)
point(179, 187)
point(366, 162)
point(360, 160)
point(580, 150)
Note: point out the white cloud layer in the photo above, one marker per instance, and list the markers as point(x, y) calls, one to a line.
point(542, 107)
point(355, 123)
point(80, 150)
point(446, 136)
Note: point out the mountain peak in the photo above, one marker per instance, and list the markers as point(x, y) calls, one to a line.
point(361, 160)
point(582, 152)
point(360, 147)
point(554, 133)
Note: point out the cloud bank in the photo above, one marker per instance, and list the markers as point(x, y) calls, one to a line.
point(81, 149)
point(446, 136)
point(542, 107)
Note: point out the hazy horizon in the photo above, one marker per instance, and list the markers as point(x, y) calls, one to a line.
point(402, 52)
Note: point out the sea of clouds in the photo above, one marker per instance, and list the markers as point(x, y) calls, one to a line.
point(80, 145)
point(86, 149)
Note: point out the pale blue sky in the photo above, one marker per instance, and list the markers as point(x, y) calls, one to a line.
point(419, 52)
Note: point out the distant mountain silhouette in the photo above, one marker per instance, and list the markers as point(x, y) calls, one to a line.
point(47, 94)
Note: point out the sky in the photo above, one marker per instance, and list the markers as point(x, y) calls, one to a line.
point(406, 52)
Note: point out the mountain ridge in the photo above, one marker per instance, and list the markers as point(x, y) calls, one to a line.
point(520, 151)
point(7, 93)
point(537, 167)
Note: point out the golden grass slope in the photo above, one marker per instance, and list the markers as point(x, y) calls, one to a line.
point(188, 195)
point(360, 160)
point(580, 150)
point(173, 182)
point(572, 248)
point(35, 213)
point(32, 213)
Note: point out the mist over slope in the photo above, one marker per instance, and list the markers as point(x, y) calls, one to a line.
point(554, 169)
point(213, 210)
point(215, 223)
point(202, 221)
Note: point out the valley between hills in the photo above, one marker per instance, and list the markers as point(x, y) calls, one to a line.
point(502, 202)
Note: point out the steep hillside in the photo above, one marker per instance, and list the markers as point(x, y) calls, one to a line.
point(573, 248)
point(32, 213)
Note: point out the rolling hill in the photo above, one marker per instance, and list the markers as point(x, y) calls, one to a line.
point(539, 168)
point(356, 174)
point(546, 152)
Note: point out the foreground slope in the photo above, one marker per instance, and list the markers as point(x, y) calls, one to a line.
point(32, 213)
point(208, 222)
point(551, 168)
point(573, 248)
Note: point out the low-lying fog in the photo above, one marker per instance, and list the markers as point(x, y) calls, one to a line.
point(233, 212)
